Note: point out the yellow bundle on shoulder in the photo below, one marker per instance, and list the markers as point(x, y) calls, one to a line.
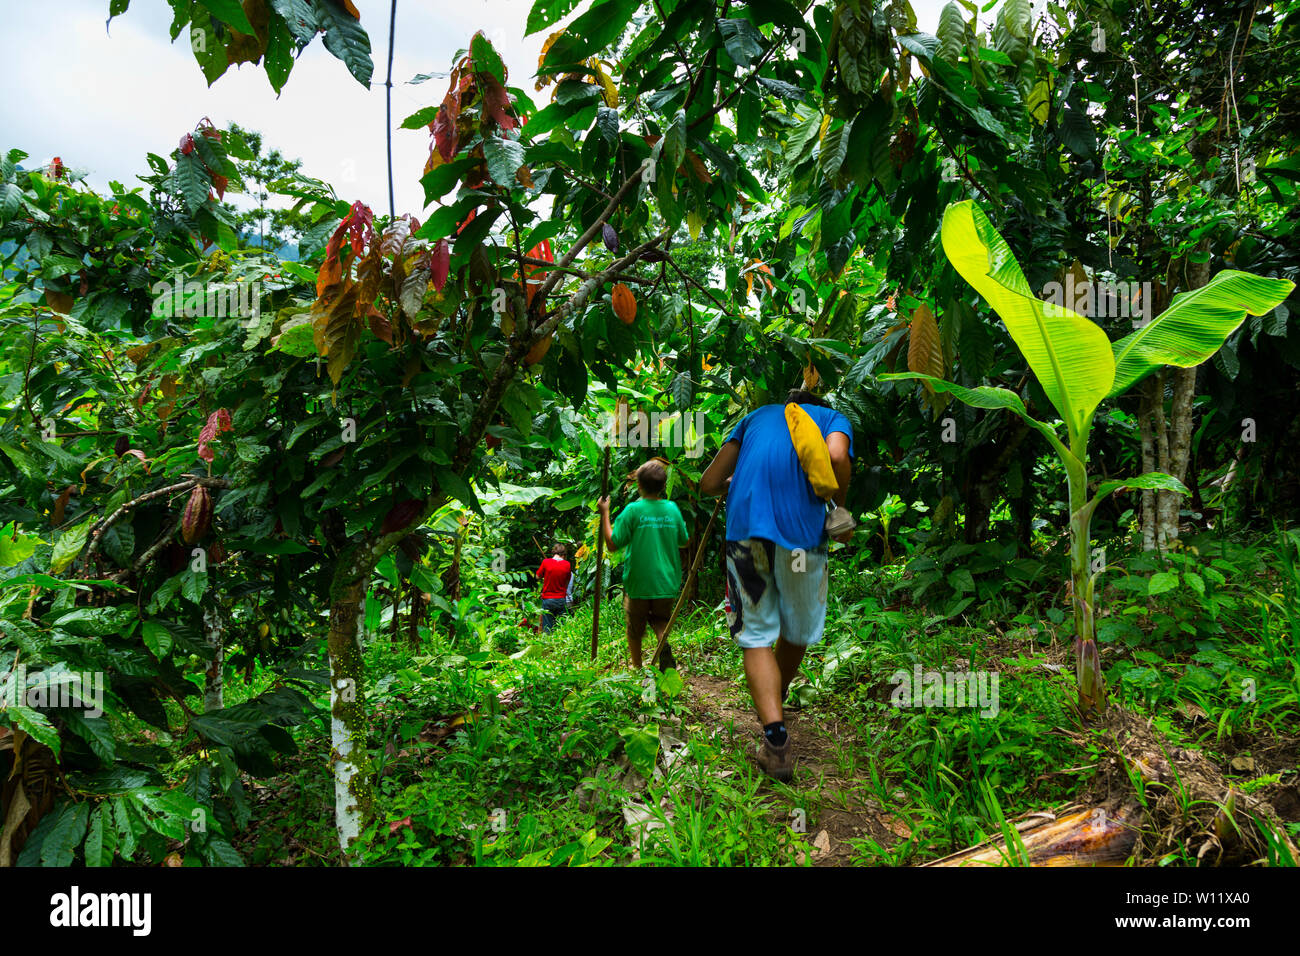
point(810, 446)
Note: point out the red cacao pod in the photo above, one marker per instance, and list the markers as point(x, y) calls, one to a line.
point(197, 518)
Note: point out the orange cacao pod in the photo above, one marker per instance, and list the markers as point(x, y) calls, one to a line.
point(538, 351)
point(624, 303)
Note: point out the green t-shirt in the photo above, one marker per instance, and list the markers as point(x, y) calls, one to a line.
point(654, 530)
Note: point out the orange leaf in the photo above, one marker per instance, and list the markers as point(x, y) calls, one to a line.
point(924, 347)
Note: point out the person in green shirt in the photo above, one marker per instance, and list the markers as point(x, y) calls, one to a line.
point(652, 530)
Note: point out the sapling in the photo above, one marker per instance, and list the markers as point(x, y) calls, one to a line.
point(1079, 367)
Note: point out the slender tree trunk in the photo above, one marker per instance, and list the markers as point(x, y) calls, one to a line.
point(213, 633)
point(394, 627)
point(349, 758)
point(1169, 503)
point(1172, 436)
point(1146, 412)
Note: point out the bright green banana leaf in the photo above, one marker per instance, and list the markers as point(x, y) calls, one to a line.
point(1195, 325)
point(1070, 354)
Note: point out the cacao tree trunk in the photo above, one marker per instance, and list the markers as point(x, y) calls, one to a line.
point(349, 757)
point(214, 634)
point(1171, 437)
point(1147, 509)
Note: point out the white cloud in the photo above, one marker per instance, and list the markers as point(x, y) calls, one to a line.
point(101, 99)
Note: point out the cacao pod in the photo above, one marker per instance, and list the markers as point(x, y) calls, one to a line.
point(121, 445)
point(401, 514)
point(217, 553)
point(654, 255)
point(197, 518)
point(538, 351)
point(624, 303)
point(610, 237)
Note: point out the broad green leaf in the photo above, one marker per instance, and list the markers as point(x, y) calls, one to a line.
point(209, 51)
point(56, 266)
point(15, 548)
point(229, 12)
point(101, 840)
point(951, 32)
point(743, 41)
point(592, 32)
point(1070, 354)
point(69, 546)
point(193, 584)
point(1195, 325)
point(642, 746)
point(34, 723)
point(192, 181)
point(67, 831)
point(346, 39)
point(1155, 480)
point(157, 638)
point(11, 200)
point(1162, 582)
point(504, 157)
point(545, 13)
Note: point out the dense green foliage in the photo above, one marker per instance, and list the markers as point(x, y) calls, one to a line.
point(290, 508)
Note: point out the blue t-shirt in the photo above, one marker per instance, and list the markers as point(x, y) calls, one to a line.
point(770, 495)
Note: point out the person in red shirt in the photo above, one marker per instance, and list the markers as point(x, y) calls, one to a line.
point(554, 573)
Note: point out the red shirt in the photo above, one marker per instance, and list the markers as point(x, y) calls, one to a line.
point(555, 578)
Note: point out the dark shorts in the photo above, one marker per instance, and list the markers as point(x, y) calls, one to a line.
point(643, 611)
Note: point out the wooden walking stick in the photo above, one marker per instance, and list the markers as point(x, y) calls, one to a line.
point(695, 566)
point(600, 556)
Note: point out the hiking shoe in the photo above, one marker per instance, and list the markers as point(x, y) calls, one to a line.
point(776, 762)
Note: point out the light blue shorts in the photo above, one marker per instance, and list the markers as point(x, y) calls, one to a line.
point(773, 592)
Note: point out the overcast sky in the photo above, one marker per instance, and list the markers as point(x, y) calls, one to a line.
point(101, 98)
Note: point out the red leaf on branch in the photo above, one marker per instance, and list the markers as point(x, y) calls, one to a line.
point(218, 422)
point(396, 825)
point(380, 326)
point(220, 182)
point(56, 168)
point(358, 226)
point(443, 128)
point(440, 263)
point(497, 101)
point(361, 226)
point(187, 144)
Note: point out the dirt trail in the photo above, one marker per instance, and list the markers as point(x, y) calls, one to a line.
point(840, 809)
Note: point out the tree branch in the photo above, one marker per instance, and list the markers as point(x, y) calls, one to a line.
point(567, 259)
point(98, 530)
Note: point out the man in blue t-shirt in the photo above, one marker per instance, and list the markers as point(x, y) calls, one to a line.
point(777, 573)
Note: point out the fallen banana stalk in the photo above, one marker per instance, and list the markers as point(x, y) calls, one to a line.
point(1088, 837)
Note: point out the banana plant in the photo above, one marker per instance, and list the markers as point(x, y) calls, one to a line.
point(1078, 368)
